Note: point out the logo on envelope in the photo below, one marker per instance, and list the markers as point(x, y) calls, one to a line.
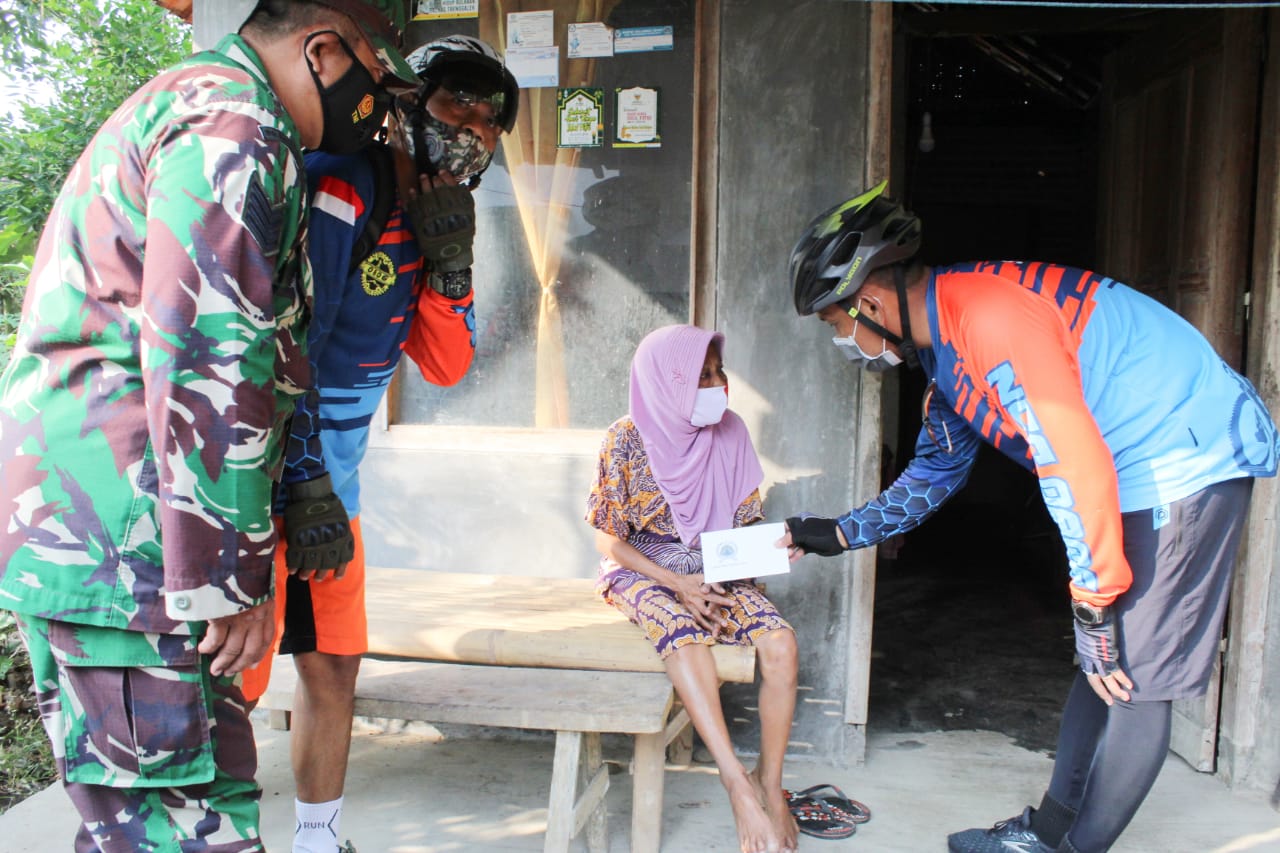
point(727, 551)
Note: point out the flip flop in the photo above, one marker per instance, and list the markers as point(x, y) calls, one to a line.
point(847, 808)
point(816, 818)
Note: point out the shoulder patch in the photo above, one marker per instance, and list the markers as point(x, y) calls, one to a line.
point(339, 199)
point(261, 218)
point(377, 274)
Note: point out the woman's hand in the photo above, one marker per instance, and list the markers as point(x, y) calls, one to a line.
point(703, 600)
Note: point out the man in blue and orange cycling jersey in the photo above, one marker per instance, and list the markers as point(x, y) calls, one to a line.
point(1145, 443)
point(389, 278)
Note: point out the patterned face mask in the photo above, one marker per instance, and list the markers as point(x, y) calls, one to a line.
point(457, 151)
point(354, 107)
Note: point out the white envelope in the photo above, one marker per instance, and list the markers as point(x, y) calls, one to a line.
point(743, 552)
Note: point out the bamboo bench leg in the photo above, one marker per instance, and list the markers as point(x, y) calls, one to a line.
point(281, 721)
point(679, 737)
point(592, 769)
point(577, 759)
point(646, 787)
point(564, 783)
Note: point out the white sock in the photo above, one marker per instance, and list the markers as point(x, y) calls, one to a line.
point(318, 825)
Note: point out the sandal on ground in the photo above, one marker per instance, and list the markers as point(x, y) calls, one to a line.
point(816, 818)
point(847, 808)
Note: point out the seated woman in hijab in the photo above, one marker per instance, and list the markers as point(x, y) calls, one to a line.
point(678, 465)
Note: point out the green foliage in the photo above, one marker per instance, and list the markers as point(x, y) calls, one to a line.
point(72, 64)
point(13, 281)
point(69, 64)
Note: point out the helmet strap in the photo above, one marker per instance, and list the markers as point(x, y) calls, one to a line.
point(412, 119)
point(903, 342)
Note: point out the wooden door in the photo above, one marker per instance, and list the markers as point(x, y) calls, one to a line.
point(1177, 151)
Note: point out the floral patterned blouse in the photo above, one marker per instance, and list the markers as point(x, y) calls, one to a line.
point(625, 501)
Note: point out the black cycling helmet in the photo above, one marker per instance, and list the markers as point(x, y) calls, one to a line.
point(468, 64)
point(843, 246)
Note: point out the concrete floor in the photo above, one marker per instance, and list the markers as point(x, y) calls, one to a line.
point(411, 791)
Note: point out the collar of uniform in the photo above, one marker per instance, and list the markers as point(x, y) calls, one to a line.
point(238, 51)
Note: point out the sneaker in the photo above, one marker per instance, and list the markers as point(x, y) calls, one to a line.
point(1008, 836)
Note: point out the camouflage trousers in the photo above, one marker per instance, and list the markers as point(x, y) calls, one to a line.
point(155, 752)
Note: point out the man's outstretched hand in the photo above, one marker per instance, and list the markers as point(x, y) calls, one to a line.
point(811, 534)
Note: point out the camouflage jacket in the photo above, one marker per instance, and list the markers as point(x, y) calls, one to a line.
point(161, 347)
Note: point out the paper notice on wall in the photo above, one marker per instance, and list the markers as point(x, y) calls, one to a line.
point(592, 39)
point(534, 67)
point(439, 10)
point(581, 118)
point(530, 29)
point(637, 118)
point(640, 39)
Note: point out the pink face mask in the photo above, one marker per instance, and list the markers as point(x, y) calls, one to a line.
point(709, 406)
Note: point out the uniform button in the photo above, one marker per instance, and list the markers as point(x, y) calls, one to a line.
point(182, 602)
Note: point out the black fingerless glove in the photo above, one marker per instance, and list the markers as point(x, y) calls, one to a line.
point(1098, 646)
point(444, 221)
point(316, 528)
point(815, 535)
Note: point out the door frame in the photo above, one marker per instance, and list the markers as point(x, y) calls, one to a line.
point(1253, 649)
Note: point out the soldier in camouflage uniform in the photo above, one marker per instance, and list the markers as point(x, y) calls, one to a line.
point(143, 414)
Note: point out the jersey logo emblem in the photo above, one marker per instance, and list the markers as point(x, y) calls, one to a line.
point(377, 274)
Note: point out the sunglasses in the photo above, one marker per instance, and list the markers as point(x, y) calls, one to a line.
point(468, 99)
point(928, 424)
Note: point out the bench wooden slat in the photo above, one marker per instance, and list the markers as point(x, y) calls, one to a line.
point(508, 620)
point(551, 699)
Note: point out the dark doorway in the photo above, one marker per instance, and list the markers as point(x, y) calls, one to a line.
point(1001, 112)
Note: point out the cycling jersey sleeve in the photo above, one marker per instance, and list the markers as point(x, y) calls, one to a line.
point(442, 337)
point(304, 455)
point(945, 452)
point(1020, 353)
point(339, 188)
point(341, 202)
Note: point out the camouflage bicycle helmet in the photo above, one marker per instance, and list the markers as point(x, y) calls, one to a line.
point(842, 247)
point(467, 63)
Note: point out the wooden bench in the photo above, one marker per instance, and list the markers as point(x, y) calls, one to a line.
point(527, 653)
point(514, 621)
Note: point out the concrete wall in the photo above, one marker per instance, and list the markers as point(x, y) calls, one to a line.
point(459, 500)
point(792, 116)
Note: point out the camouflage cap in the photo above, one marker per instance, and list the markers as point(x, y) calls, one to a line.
point(382, 22)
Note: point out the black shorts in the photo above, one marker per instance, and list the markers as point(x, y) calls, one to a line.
point(1182, 556)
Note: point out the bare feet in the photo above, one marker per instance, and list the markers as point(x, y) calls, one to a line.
point(756, 833)
point(775, 806)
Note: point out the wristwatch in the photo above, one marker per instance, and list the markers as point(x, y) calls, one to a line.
point(452, 285)
point(1089, 615)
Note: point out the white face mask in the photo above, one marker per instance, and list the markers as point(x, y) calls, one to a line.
point(886, 360)
point(709, 406)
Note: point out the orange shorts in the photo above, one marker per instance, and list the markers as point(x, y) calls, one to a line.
point(326, 616)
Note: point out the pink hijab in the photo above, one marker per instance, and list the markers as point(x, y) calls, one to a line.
point(705, 473)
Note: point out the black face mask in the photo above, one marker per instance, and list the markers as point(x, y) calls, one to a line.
point(354, 107)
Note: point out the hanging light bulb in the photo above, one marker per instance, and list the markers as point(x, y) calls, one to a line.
point(926, 143)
